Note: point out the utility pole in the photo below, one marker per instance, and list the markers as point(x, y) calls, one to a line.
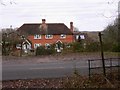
point(102, 55)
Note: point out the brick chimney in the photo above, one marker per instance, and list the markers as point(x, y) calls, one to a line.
point(43, 25)
point(71, 26)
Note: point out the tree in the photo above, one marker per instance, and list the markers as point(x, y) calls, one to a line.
point(4, 3)
point(9, 40)
point(111, 36)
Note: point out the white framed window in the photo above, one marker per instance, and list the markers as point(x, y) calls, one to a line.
point(48, 36)
point(62, 36)
point(37, 36)
point(82, 36)
point(37, 45)
point(47, 46)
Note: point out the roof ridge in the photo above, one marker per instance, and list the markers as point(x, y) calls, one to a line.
point(41, 23)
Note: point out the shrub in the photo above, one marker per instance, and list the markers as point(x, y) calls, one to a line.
point(92, 47)
point(42, 51)
point(89, 47)
point(78, 47)
point(112, 47)
point(116, 48)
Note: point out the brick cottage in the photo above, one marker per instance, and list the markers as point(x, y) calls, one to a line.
point(46, 34)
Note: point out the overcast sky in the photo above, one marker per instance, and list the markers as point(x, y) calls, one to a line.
point(87, 15)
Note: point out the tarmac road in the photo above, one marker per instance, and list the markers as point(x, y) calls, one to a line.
point(43, 70)
point(52, 69)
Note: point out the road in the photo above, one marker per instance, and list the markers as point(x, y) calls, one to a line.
point(53, 69)
point(43, 70)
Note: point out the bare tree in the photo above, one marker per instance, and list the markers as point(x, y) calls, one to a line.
point(10, 2)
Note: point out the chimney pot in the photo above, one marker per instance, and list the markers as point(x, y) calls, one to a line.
point(71, 23)
point(43, 21)
point(71, 26)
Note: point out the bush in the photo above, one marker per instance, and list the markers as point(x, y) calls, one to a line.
point(78, 47)
point(111, 47)
point(89, 47)
point(107, 46)
point(116, 48)
point(42, 51)
point(92, 47)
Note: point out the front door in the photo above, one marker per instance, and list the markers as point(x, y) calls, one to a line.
point(59, 46)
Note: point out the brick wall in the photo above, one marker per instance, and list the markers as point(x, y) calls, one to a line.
point(43, 40)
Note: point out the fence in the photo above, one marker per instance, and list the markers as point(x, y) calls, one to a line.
point(111, 64)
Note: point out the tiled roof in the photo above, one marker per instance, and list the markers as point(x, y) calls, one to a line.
point(52, 28)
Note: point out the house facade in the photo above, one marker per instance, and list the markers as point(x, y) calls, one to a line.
point(46, 34)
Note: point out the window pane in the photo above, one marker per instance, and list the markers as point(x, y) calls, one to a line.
point(48, 36)
point(62, 36)
point(37, 36)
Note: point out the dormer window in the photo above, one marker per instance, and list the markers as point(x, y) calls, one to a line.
point(62, 36)
point(48, 36)
point(37, 36)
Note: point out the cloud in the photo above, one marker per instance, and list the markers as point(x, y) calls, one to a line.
point(86, 14)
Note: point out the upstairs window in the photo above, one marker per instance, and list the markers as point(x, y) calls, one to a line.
point(37, 36)
point(80, 36)
point(62, 36)
point(48, 36)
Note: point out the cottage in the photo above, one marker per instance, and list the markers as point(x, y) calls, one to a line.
point(46, 34)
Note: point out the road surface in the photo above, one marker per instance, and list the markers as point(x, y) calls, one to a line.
point(43, 70)
point(53, 69)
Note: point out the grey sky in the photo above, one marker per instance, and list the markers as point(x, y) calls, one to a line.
point(87, 15)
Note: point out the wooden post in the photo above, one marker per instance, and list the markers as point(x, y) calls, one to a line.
point(102, 55)
point(89, 68)
point(118, 38)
